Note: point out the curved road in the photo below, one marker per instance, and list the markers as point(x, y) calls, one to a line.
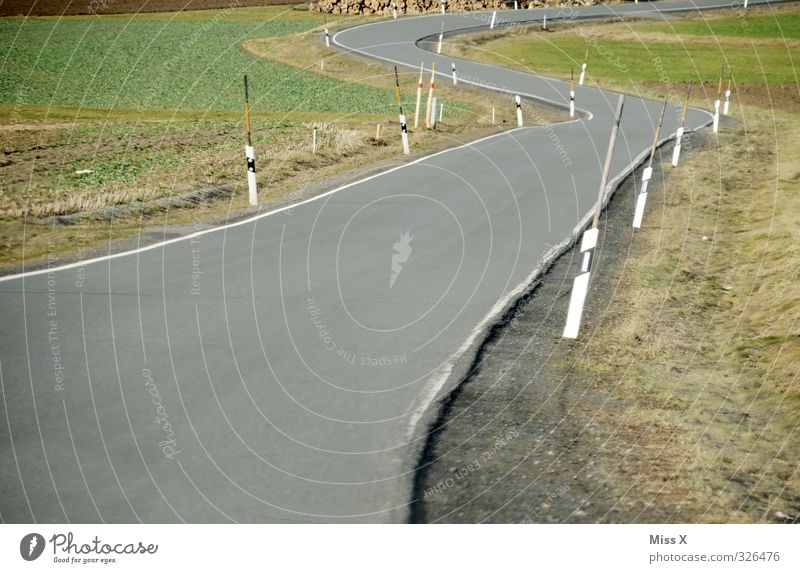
point(284, 368)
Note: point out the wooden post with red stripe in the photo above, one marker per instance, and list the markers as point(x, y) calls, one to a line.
point(430, 96)
point(420, 86)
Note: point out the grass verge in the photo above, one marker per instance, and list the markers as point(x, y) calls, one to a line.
point(702, 337)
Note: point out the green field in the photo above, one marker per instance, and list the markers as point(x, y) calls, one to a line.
point(760, 47)
point(186, 61)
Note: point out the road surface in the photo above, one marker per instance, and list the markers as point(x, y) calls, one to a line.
point(285, 368)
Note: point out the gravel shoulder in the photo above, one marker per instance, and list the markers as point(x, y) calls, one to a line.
point(530, 437)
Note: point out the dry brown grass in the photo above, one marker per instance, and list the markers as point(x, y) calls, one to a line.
point(704, 336)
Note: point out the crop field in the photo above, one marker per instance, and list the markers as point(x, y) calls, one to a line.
point(148, 61)
point(131, 109)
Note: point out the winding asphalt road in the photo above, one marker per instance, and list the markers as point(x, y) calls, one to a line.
point(285, 368)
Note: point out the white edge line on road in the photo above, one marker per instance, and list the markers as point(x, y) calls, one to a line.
point(76, 264)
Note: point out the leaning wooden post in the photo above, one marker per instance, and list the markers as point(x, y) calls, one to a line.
point(676, 151)
point(647, 174)
point(580, 286)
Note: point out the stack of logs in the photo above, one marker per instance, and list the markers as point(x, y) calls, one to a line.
point(384, 7)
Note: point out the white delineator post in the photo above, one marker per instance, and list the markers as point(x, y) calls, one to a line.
point(430, 96)
point(314, 141)
point(419, 96)
point(443, 3)
point(441, 111)
point(492, 115)
point(455, 77)
point(580, 286)
point(717, 102)
point(544, 22)
point(583, 68)
point(403, 125)
point(494, 17)
point(647, 174)
point(441, 37)
point(516, 5)
point(394, 10)
point(676, 151)
point(327, 39)
point(572, 94)
point(518, 102)
point(249, 151)
point(726, 106)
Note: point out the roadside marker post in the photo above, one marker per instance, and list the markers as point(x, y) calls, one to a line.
point(572, 93)
point(544, 22)
point(378, 132)
point(430, 96)
point(443, 4)
point(394, 9)
point(441, 37)
point(494, 17)
point(676, 151)
point(580, 286)
point(403, 125)
point(516, 5)
point(419, 96)
point(518, 101)
point(327, 39)
point(314, 141)
point(647, 174)
point(583, 68)
point(249, 151)
point(717, 102)
point(434, 105)
point(726, 106)
point(455, 77)
point(492, 115)
point(441, 111)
